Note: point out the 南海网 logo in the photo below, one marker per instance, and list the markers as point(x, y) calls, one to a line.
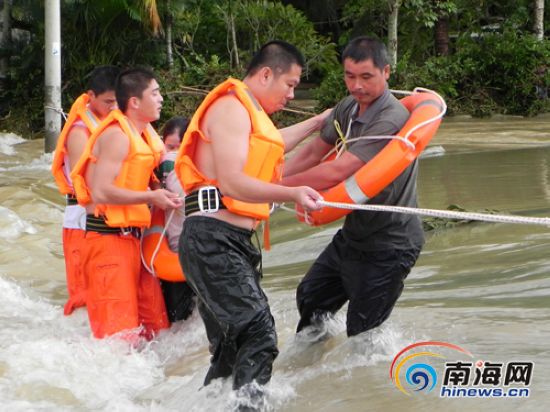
point(414, 370)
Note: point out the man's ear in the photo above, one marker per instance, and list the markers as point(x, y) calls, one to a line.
point(386, 71)
point(266, 74)
point(133, 102)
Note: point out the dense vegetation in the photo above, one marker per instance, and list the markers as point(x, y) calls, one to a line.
point(482, 55)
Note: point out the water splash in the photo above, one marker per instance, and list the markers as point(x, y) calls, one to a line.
point(12, 226)
point(7, 141)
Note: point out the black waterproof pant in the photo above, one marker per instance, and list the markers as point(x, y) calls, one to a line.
point(221, 265)
point(178, 297)
point(371, 281)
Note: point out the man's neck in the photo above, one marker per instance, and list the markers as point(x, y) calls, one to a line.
point(138, 124)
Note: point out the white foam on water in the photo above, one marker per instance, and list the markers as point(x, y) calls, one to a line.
point(51, 362)
point(8, 141)
point(44, 162)
point(48, 359)
point(12, 226)
point(432, 151)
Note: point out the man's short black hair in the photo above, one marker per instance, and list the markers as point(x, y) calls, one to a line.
point(278, 55)
point(132, 83)
point(364, 48)
point(103, 79)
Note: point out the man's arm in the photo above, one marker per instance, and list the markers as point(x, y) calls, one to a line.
point(292, 135)
point(112, 149)
point(327, 174)
point(76, 142)
point(228, 127)
point(307, 156)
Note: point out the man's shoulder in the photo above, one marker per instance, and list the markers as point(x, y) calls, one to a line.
point(227, 105)
point(226, 112)
point(78, 128)
point(112, 135)
point(394, 111)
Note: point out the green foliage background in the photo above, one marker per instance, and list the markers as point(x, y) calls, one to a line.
point(495, 64)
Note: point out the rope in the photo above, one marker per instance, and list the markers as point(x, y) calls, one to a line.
point(343, 140)
point(447, 214)
point(151, 269)
point(58, 110)
point(433, 119)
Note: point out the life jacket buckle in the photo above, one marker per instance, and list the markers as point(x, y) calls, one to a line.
point(211, 195)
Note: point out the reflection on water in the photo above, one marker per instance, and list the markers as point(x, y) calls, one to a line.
point(482, 286)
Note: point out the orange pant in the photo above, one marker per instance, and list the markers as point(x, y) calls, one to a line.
point(76, 282)
point(121, 293)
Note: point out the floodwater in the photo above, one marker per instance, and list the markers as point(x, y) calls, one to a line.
point(484, 287)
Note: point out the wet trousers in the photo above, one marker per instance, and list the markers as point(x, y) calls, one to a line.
point(121, 293)
point(371, 282)
point(220, 263)
point(76, 282)
point(178, 297)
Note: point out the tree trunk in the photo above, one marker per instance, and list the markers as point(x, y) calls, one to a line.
point(234, 48)
point(169, 20)
point(538, 21)
point(442, 36)
point(392, 30)
point(5, 43)
point(52, 74)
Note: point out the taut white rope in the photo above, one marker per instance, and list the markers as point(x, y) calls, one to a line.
point(448, 214)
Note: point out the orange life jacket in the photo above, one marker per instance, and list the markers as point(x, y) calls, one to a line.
point(79, 110)
point(135, 173)
point(265, 149)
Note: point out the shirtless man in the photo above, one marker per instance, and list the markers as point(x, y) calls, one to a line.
point(229, 164)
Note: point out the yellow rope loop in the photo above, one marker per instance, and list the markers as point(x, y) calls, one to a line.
point(341, 141)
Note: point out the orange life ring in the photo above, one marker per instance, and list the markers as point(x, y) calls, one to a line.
point(166, 265)
point(426, 109)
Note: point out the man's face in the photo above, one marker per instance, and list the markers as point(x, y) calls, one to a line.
point(281, 89)
point(365, 81)
point(102, 104)
point(150, 103)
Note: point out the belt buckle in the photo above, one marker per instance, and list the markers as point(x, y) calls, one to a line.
point(211, 194)
point(126, 231)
